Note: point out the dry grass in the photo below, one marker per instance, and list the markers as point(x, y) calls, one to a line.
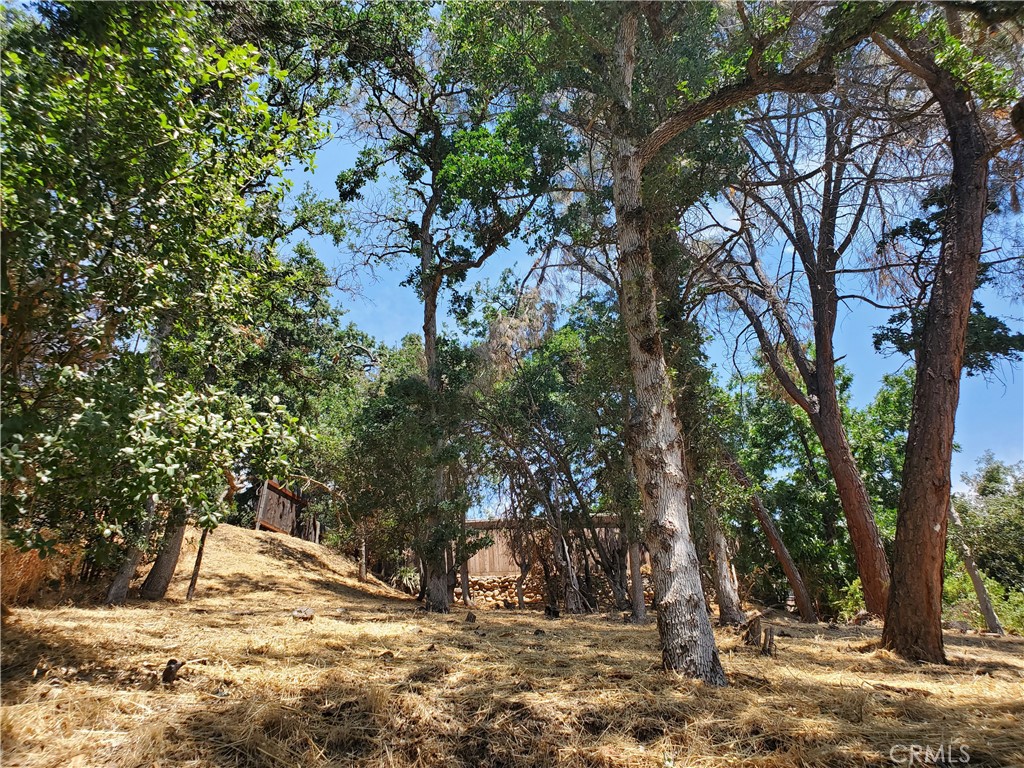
point(23, 574)
point(372, 682)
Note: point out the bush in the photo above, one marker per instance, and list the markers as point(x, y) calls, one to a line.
point(406, 578)
point(960, 601)
point(1010, 610)
point(26, 575)
point(852, 601)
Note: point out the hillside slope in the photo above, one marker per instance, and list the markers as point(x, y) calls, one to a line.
point(373, 682)
point(242, 566)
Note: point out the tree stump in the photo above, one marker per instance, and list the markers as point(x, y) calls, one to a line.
point(768, 642)
point(752, 630)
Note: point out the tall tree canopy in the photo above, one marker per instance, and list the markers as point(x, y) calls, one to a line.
point(169, 339)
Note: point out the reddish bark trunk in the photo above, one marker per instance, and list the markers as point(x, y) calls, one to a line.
point(913, 623)
point(804, 604)
point(872, 565)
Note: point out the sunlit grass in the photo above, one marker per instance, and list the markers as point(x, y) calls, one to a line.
point(379, 683)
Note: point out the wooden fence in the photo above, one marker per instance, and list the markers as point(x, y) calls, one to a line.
point(496, 560)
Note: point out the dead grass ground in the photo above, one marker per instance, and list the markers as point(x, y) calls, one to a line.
point(372, 682)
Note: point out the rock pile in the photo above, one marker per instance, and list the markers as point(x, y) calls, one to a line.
point(499, 592)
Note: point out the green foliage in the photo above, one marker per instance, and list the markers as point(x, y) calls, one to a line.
point(406, 578)
point(989, 339)
point(402, 434)
point(154, 339)
point(878, 435)
point(778, 448)
point(851, 601)
point(994, 85)
point(993, 514)
point(552, 413)
point(960, 601)
point(126, 443)
point(1010, 611)
point(130, 133)
point(464, 166)
point(962, 55)
point(139, 204)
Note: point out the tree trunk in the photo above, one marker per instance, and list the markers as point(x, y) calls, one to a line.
point(195, 568)
point(608, 560)
point(524, 571)
point(362, 558)
point(622, 572)
point(587, 588)
point(160, 574)
point(609, 564)
point(437, 587)
point(727, 595)
point(435, 597)
point(467, 598)
point(913, 623)
point(622, 558)
point(421, 593)
point(552, 597)
point(570, 586)
point(118, 592)
point(684, 628)
point(804, 604)
point(437, 592)
point(636, 584)
point(984, 602)
point(813, 234)
point(872, 564)
point(452, 571)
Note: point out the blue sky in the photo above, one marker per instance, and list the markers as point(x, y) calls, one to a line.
point(990, 416)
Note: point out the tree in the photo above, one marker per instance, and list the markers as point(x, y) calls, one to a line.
point(802, 597)
point(916, 243)
point(551, 413)
point(929, 48)
point(977, 581)
point(992, 513)
point(819, 214)
point(140, 158)
point(637, 77)
point(290, 346)
point(774, 455)
point(468, 170)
